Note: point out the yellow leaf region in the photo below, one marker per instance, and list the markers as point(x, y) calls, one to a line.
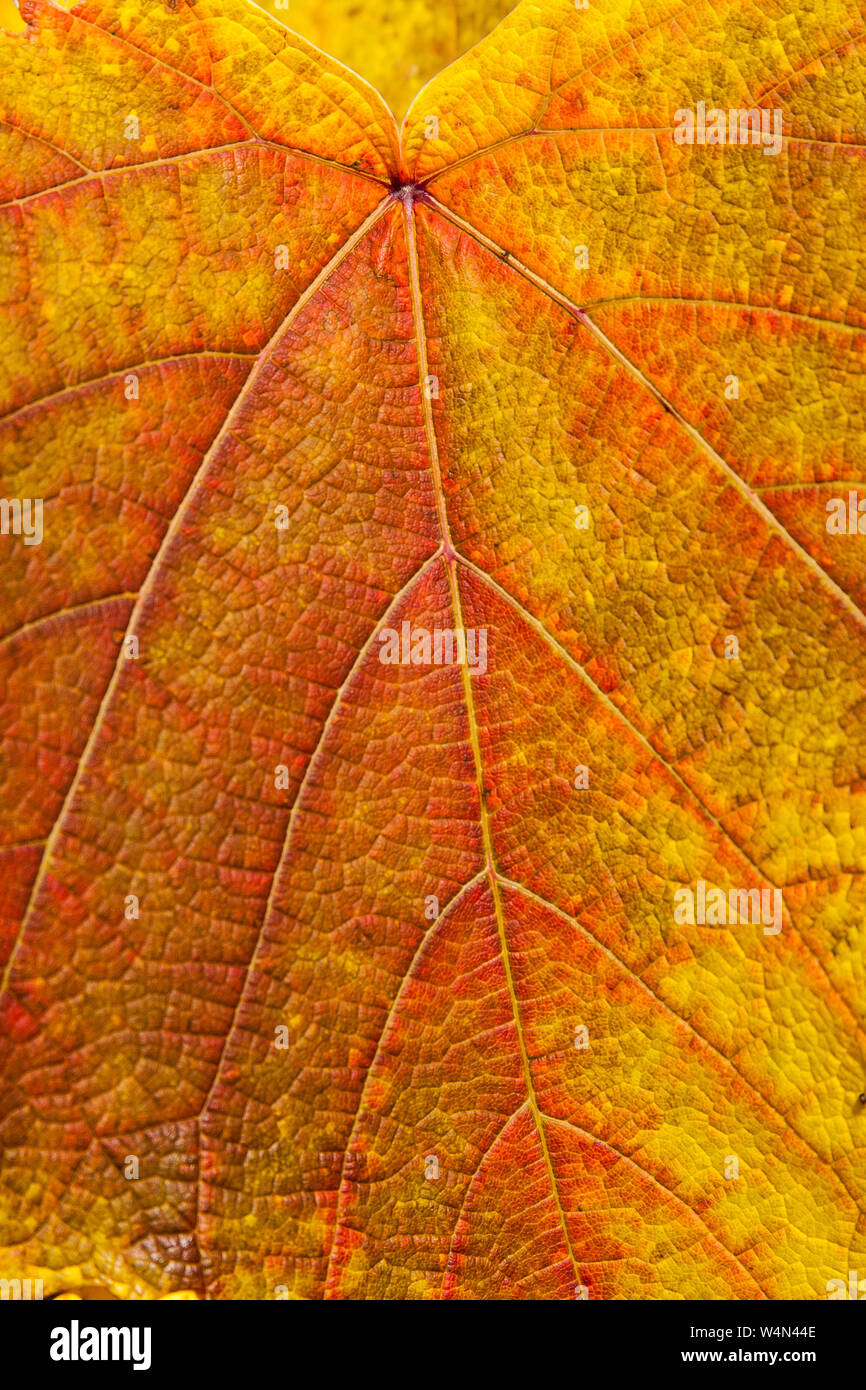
point(433, 825)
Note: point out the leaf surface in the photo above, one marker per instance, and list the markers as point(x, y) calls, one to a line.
point(399, 343)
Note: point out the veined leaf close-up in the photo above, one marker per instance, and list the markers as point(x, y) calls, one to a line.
point(433, 817)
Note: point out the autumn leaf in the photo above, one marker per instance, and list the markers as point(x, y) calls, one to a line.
point(434, 824)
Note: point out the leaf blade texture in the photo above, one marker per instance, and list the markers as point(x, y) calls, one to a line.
point(395, 338)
